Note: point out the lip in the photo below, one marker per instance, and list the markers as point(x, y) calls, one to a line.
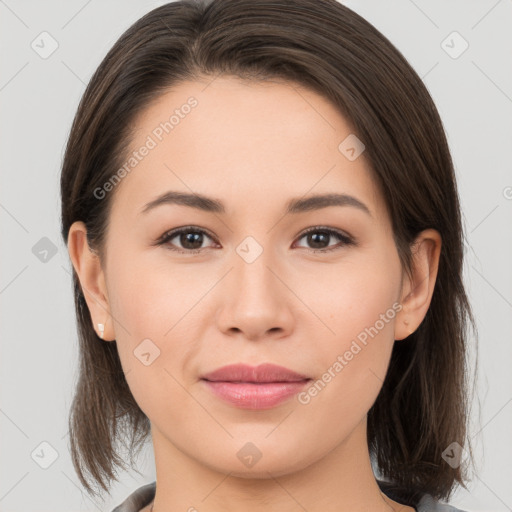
point(266, 372)
point(261, 387)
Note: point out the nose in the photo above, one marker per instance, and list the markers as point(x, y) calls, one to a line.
point(255, 301)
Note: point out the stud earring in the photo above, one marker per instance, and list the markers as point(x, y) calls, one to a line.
point(101, 328)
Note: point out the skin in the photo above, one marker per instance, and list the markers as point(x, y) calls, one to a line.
point(254, 146)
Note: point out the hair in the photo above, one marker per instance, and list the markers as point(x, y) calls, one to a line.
point(422, 407)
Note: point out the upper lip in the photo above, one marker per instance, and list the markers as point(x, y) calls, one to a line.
point(267, 372)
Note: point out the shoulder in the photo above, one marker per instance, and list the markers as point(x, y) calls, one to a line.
point(138, 499)
point(428, 504)
point(142, 496)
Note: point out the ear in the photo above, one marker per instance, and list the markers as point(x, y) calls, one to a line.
point(87, 265)
point(417, 290)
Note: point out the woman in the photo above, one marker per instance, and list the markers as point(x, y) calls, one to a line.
point(261, 210)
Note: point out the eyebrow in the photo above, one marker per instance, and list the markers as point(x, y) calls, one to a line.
point(297, 205)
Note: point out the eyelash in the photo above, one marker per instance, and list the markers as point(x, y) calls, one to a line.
point(169, 235)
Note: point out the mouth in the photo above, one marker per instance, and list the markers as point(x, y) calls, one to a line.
point(261, 387)
point(255, 395)
point(264, 373)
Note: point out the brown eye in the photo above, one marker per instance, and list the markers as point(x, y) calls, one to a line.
point(190, 239)
point(319, 237)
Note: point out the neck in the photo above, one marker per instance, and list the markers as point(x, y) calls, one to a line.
point(341, 479)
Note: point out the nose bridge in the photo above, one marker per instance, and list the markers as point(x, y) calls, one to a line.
point(255, 301)
point(252, 272)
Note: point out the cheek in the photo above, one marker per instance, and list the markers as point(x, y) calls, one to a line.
point(359, 306)
point(155, 307)
point(354, 295)
point(149, 294)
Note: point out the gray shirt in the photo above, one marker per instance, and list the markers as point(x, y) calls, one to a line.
point(145, 494)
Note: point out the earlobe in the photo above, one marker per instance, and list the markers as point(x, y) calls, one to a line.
point(418, 289)
point(87, 265)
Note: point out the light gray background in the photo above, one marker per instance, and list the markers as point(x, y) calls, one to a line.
point(39, 344)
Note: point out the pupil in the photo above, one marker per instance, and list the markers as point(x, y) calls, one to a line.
point(314, 238)
point(190, 238)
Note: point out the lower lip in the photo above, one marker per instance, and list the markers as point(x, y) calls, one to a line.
point(249, 395)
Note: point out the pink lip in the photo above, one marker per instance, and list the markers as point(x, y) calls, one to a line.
point(261, 387)
point(263, 373)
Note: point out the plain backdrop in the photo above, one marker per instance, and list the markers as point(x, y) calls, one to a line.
point(39, 94)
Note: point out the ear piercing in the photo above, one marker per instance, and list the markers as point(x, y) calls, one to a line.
point(101, 328)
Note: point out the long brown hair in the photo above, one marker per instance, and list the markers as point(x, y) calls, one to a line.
point(423, 405)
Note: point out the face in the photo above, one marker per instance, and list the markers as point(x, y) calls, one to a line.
point(314, 289)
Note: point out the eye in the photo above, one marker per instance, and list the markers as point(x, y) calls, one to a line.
point(192, 239)
point(320, 235)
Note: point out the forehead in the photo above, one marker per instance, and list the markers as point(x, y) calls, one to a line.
point(233, 138)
